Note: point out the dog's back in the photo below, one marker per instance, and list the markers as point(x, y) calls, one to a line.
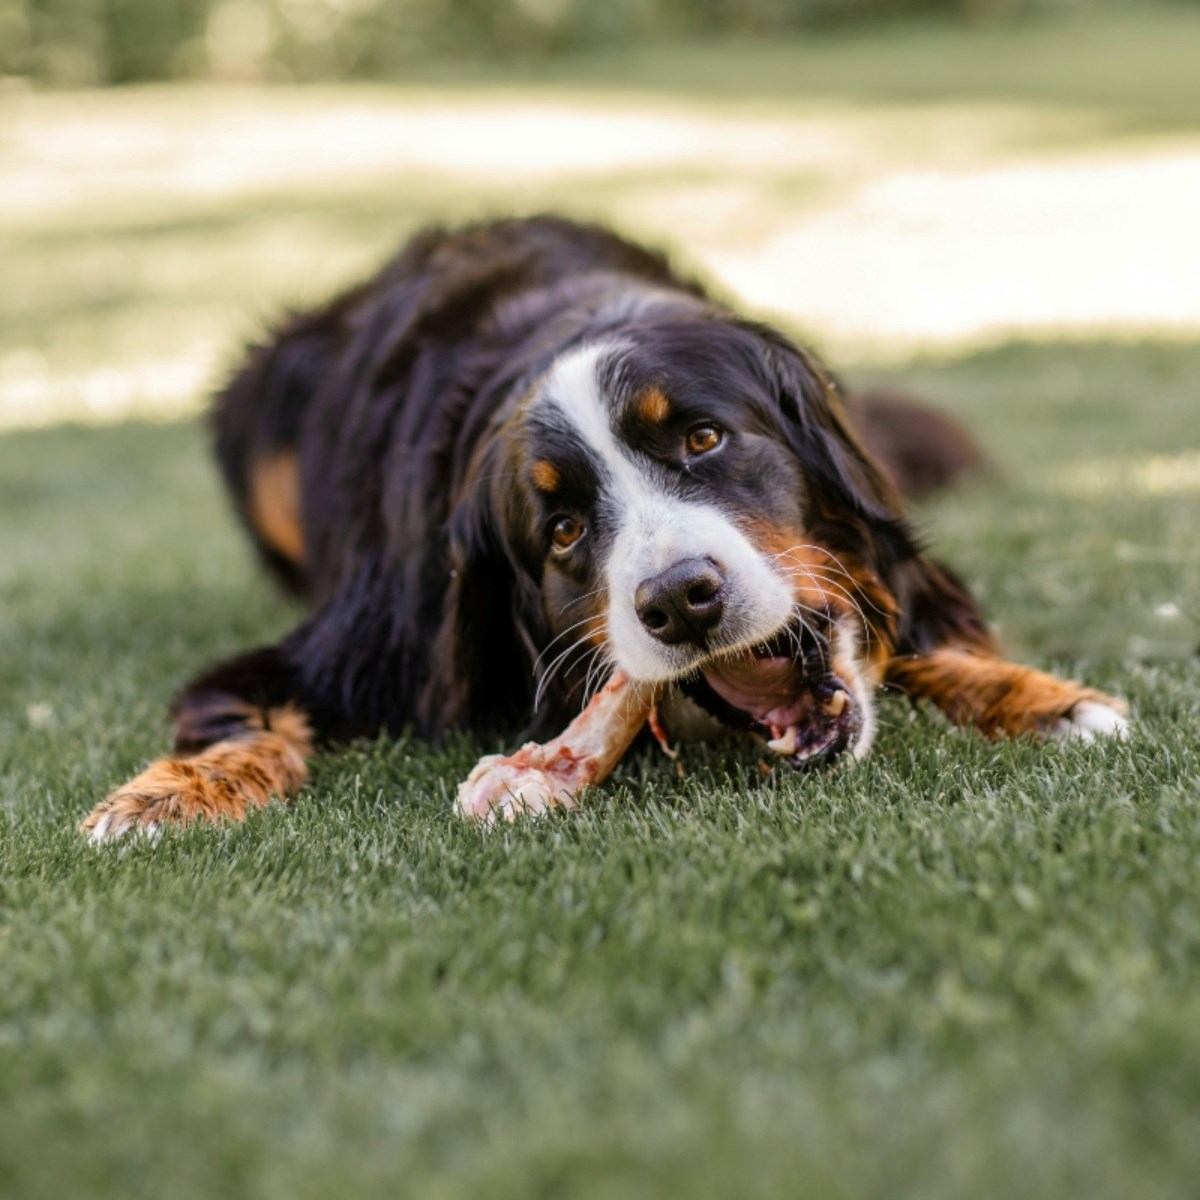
point(452, 280)
point(442, 285)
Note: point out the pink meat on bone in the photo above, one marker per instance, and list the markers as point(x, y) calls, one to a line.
point(539, 777)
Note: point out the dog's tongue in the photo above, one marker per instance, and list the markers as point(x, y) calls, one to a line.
point(767, 688)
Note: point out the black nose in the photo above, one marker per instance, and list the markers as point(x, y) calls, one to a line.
point(684, 603)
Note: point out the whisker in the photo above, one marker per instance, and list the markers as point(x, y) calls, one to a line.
point(862, 617)
point(804, 626)
point(600, 667)
point(837, 567)
point(559, 637)
point(552, 669)
point(816, 573)
point(822, 581)
point(857, 588)
point(581, 599)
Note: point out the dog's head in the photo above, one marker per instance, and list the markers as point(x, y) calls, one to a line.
point(682, 500)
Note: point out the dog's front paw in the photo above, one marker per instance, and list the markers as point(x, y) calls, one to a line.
point(221, 783)
point(169, 792)
point(1091, 719)
point(118, 815)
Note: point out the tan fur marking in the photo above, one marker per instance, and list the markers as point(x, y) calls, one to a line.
point(823, 580)
point(545, 476)
point(997, 697)
point(654, 406)
point(224, 781)
point(274, 505)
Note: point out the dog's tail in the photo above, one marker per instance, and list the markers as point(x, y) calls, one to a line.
point(921, 448)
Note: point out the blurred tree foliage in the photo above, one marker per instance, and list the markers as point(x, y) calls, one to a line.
point(76, 42)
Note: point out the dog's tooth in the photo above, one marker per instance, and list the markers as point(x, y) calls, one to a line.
point(837, 702)
point(785, 745)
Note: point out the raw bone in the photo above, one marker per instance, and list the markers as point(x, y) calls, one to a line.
point(538, 777)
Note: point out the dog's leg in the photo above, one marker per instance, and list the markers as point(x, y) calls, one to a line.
point(947, 656)
point(241, 737)
point(1004, 698)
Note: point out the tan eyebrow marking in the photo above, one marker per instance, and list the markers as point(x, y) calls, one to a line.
point(654, 405)
point(544, 475)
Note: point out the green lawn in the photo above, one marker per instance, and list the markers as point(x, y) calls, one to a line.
point(959, 970)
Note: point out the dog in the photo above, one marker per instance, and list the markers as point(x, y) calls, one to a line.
point(527, 455)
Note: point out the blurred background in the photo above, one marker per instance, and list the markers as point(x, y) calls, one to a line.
point(993, 201)
point(96, 42)
point(890, 176)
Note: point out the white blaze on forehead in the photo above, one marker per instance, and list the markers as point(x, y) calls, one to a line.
point(654, 527)
point(572, 388)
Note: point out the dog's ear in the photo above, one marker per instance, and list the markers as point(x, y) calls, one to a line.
point(843, 476)
point(488, 614)
point(851, 506)
point(855, 507)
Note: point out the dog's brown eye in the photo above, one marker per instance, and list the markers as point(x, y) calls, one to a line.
point(567, 531)
point(703, 438)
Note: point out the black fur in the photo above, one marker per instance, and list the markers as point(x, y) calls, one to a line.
point(425, 546)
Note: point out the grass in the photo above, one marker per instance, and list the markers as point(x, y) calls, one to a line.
point(960, 970)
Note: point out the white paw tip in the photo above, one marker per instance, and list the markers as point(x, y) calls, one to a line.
point(108, 830)
point(1089, 720)
point(99, 832)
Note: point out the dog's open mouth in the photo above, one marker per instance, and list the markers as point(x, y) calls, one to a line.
point(786, 690)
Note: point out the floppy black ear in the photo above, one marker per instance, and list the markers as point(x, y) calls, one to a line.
point(814, 420)
point(488, 613)
point(851, 506)
point(855, 506)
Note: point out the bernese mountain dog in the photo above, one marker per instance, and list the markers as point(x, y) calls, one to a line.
point(528, 477)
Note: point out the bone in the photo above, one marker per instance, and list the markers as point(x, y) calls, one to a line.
point(539, 777)
point(785, 745)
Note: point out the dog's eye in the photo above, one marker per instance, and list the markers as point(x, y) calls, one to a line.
point(567, 531)
point(703, 439)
